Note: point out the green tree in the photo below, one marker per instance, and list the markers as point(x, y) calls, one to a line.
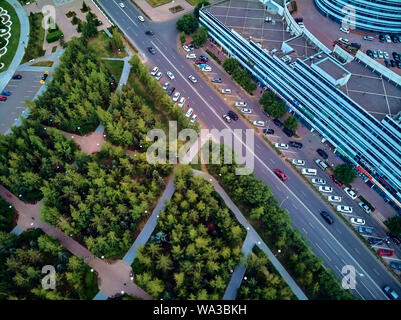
point(230, 65)
point(200, 37)
point(116, 40)
point(345, 173)
point(183, 37)
point(394, 225)
point(199, 6)
point(291, 123)
point(187, 23)
point(276, 109)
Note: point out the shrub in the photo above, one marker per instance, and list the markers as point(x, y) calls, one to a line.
point(54, 36)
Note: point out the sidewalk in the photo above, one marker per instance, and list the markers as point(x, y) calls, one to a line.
point(162, 13)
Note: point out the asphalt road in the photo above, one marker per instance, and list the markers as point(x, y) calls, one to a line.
point(335, 244)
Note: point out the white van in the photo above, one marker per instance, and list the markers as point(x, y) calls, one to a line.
point(309, 171)
point(268, 19)
point(321, 164)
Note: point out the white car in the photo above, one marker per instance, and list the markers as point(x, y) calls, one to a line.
point(140, 18)
point(193, 79)
point(176, 96)
point(281, 145)
point(380, 54)
point(334, 198)
point(190, 56)
point(226, 118)
point(358, 221)
point(388, 39)
point(309, 171)
point(298, 162)
point(259, 123)
point(186, 48)
point(318, 181)
point(154, 71)
point(189, 112)
point(325, 189)
point(246, 110)
point(165, 85)
point(345, 30)
point(207, 68)
point(343, 40)
point(181, 103)
point(241, 104)
point(301, 24)
point(365, 207)
point(193, 119)
point(385, 54)
point(122, 5)
point(345, 209)
point(158, 76)
point(351, 193)
point(170, 75)
point(225, 90)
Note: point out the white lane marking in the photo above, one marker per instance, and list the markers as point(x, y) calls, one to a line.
point(307, 233)
point(375, 271)
point(357, 251)
point(125, 13)
point(311, 225)
point(361, 282)
point(322, 251)
point(269, 170)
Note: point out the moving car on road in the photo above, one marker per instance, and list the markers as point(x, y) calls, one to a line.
point(122, 5)
point(358, 221)
point(149, 32)
point(280, 174)
point(152, 50)
point(281, 145)
point(17, 77)
point(140, 18)
point(345, 209)
point(226, 118)
point(193, 79)
point(298, 162)
point(327, 217)
point(385, 252)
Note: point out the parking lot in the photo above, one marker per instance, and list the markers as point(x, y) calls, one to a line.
point(21, 90)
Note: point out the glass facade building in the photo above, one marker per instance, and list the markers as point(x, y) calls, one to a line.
point(371, 15)
point(372, 146)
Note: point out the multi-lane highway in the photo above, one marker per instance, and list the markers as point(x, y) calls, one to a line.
point(336, 244)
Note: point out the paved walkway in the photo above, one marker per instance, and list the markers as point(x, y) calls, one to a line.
point(254, 236)
point(162, 13)
point(6, 76)
point(112, 278)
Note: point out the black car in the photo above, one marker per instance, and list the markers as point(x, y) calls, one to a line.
point(44, 77)
point(206, 59)
point(268, 131)
point(387, 63)
point(216, 80)
point(398, 63)
point(369, 53)
point(277, 122)
point(170, 91)
point(327, 217)
point(395, 265)
point(396, 56)
point(17, 76)
point(394, 38)
point(149, 32)
point(232, 115)
point(288, 132)
point(299, 19)
point(322, 153)
point(295, 144)
point(356, 45)
point(381, 38)
point(392, 62)
point(374, 241)
point(152, 50)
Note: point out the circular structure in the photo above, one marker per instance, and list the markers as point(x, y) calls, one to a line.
point(371, 15)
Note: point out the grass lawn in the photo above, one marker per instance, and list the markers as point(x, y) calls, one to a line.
point(156, 3)
point(101, 43)
point(36, 38)
point(115, 67)
point(14, 39)
point(194, 2)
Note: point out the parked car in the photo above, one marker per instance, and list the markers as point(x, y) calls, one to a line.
point(224, 91)
point(391, 293)
point(232, 115)
point(189, 112)
point(268, 131)
point(368, 38)
point(358, 221)
point(395, 265)
point(5, 93)
point(193, 119)
point(158, 75)
point(44, 77)
point(181, 102)
point(240, 104)
point(335, 180)
point(387, 37)
point(216, 80)
point(170, 91)
point(280, 174)
point(345, 30)
point(154, 71)
point(277, 122)
point(325, 189)
point(295, 144)
point(367, 230)
point(396, 56)
point(204, 58)
point(193, 79)
point(369, 53)
point(318, 181)
point(343, 40)
point(190, 56)
point(380, 54)
point(170, 75)
point(381, 38)
point(322, 153)
point(365, 207)
point(345, 209)
point(393, 64)
point(246, 110)
point(351, 193)
point(327, 217)
point(165, 85)
point(309, 171)
point(17, 77)
point(374, 241)
point(207, 68)
point(281, 145)
point(176, 96)
point(288, 132)
point(375, 55)
point(298, 162)
point(186, 48)
point(259, 123)
point(3, 98)
point(334, 198)
point(385, 252)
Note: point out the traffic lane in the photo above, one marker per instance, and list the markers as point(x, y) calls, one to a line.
point(209, 92)
point(21, 90)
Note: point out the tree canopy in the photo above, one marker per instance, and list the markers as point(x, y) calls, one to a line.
point(187, 23)
point(345, 173)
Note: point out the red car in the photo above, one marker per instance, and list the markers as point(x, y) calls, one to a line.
point(336, 181)
point(3, 98)
point(385, 252)
point(280, 174)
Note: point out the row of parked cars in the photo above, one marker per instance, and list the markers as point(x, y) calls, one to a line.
point(378, 54)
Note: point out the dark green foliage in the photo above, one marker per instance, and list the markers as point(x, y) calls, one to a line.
point(6, 216)
point(258, 203)
point(75, 20)
point(187, 23)
point(394, 225)
point(182, 37)
point(199, 6)
point(203, 244)
point(85, 7)
point(213, 56)
point(36, 37)
point(241, 76)
point(272, 105)
point(54, 36)
point(291, 123)
point(345, 173)
point(200, 37)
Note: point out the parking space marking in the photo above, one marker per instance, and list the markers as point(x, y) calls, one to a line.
point(392, 258)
